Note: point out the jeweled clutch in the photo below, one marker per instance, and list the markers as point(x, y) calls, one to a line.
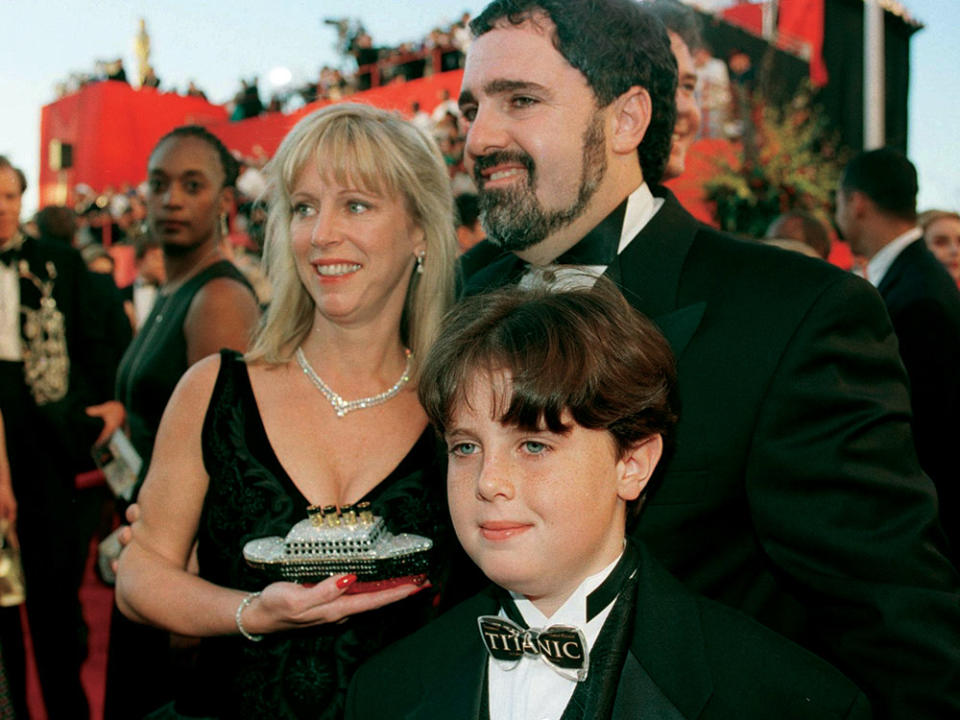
point(334, 541)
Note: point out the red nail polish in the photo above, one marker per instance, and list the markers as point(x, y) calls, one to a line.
point(346, 581)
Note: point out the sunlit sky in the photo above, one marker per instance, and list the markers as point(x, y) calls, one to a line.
point(215, 43)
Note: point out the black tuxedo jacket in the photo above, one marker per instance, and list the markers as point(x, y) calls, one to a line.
point(794, 492)
point(93, 358)
point(924, 305)
point(689, 657)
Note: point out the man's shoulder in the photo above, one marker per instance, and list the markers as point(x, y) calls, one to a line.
point(779, 673)
point(43, 250)
point(916, 275)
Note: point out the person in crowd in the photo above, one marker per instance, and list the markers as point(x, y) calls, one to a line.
point(941, 231)
point(150, 79)
point(57, 222)
point(800, 227)
point(419, 118)
point(205, 304)
point(552, 441)
point(97, 259)
point(684, 33)
point(141, 295)
point(322, 411)
point(446, 106)
point(469, 229)
point(194, 91)
point(803, 505)
point(713, 91)
point(53, 364)
point(876, 213)
point(8, 516)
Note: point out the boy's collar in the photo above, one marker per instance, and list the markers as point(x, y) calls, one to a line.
point(596, 593)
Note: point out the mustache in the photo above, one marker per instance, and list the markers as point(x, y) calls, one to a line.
point(500, 157)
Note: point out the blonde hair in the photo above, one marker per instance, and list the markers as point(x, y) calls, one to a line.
point(381, 153)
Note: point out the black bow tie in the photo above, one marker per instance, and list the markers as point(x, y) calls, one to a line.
point(10, 256)
point(562, 647)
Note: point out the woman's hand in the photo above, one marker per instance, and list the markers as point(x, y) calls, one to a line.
point(287, 606)
point(113, 414)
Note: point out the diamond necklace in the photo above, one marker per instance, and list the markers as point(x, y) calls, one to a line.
point(341, 406)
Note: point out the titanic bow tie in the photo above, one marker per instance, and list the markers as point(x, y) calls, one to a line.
point(562, 647)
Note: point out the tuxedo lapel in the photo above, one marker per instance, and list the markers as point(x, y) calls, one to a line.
point(649, 268)
point(502, 272)
point(648, 271)
point(667, 668)
point(453, 689)
point(639, 696)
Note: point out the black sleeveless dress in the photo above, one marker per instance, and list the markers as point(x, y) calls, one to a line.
point(140, 677)
point(157, 358)
point(302, 673)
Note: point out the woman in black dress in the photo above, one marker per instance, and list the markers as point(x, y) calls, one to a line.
point(360, 251)
point(205, 304)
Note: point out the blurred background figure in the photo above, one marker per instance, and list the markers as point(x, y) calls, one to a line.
point(876, 214)
point(469, 229)
point(140, 296)
point(799, 231)
point(941, 231)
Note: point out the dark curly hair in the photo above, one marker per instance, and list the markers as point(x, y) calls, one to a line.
point(616, 44)
point(231, 168)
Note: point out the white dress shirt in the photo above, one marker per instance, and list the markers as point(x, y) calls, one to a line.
point(10, 348)
point(641, 207)
point(883, 259)
point(532, 690)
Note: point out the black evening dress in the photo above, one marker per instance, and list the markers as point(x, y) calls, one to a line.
point(140, 674)
point(302, 673)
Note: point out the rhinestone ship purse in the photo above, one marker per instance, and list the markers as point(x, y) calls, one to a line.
point(334, 541)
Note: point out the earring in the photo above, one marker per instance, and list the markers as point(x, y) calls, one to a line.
point(224, 226)
point(421, 256)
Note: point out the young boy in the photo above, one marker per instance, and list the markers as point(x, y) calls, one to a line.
point(555, 408)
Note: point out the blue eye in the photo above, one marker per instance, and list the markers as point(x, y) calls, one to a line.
point(534, 448)
point(464, 448)
point(356, 207)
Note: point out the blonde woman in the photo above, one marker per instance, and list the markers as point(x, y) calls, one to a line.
point(323, 410)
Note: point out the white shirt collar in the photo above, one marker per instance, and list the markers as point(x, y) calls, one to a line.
point(641, 207)
point(532, 689)
point(574, 609)
point(883, 259)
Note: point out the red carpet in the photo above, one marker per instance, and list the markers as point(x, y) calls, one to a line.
point(97, 599)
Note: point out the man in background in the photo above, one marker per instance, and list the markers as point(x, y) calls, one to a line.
point(877, 214)
point(54, 362)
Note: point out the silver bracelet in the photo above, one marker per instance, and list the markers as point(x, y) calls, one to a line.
point(243, 603)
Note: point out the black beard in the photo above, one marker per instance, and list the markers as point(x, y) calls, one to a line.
point(513, 218)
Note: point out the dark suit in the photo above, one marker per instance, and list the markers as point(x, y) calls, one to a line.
point(48, 439)
point(924, 305)
point(688, 657)
point(793, 493)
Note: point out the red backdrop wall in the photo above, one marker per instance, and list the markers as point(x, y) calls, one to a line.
point(113, 127)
